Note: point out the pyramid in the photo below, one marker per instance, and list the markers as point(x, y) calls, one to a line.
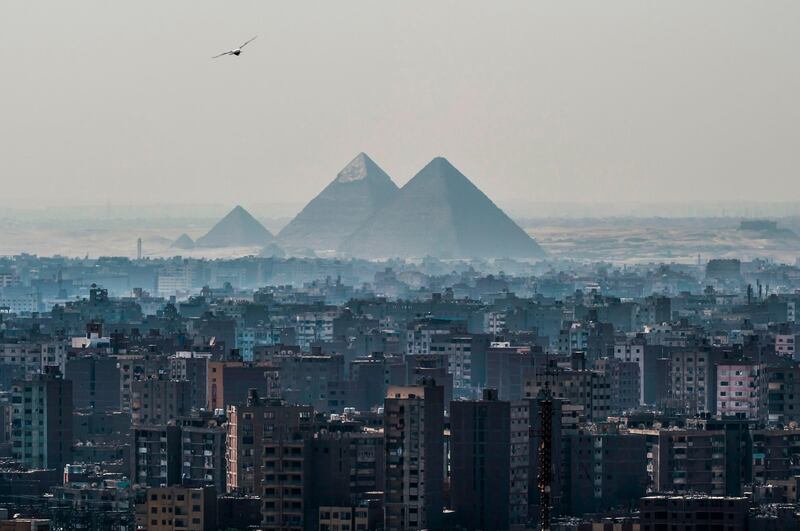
point(272, 250)
point(440, 213)
point(183, 242)
point(237, 229)
point(358, 191)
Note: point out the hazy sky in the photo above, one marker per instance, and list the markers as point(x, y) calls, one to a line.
point(544, 101)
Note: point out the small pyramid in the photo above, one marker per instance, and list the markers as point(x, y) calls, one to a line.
point(237, 229)
point(440, 213)
point(356, 193)
point(272, 250)
point(183, 242)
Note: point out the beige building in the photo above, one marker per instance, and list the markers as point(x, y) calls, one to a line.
point(177, 508)
point(25, 524)
point(343, 519)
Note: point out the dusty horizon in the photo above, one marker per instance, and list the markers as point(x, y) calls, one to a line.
point(621, 102)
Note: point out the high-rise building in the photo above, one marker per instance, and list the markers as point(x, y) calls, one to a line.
point(34, 357)
point(466, 357)
point(41, 429)
point(287, 474)
point(177, 508)
point(738, 449)
point(583, 387)
point(480, 463)
point(520, 462)
point(430, 366)
point(156, 456)
point(783, 395)
point(690, 461)
point(228, 382)
point(135, 367)
point(506, 369)
point(421, 333)
point(742, 390)
point(367, 382)
point(192, 367)
point(309, 379)
point(633, 350)
point(96, 382)
point(249, 427)
point(203, 451)
point(313, 326)
point(623, 378)
point(414, 446)
point(288, 430)
point(691, 382)
point(160, 400)
point(603, 470)
point(775, 455)
point(693, 512)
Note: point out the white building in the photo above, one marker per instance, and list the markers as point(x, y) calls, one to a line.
point(7, 279)
point(494, 322)
point(34, 357)
point(20, 303)
point(314, 326)
point(458, 350)
point(573, 339)
point(633, 350)
point(786, 345)
point(174, 279)
point(91, 340)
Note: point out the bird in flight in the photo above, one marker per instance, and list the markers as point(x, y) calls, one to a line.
point(235, 51)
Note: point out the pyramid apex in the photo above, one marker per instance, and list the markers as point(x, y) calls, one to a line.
point(356, 170)
point(439, 168)
point(439, 162)
point(355, 193)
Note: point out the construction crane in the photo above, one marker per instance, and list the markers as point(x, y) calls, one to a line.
point(545, 451)
point(545, 476)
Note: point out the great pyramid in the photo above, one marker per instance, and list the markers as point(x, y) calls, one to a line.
point(358, 191)
point(237, 229)
point(440, 213)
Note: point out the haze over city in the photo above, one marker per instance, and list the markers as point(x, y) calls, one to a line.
point(597, 102)
point(426, 266)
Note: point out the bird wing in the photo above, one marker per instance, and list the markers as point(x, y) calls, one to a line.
point(223, 53)
point(248, 42)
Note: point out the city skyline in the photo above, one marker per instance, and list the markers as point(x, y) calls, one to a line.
point(443, 266)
